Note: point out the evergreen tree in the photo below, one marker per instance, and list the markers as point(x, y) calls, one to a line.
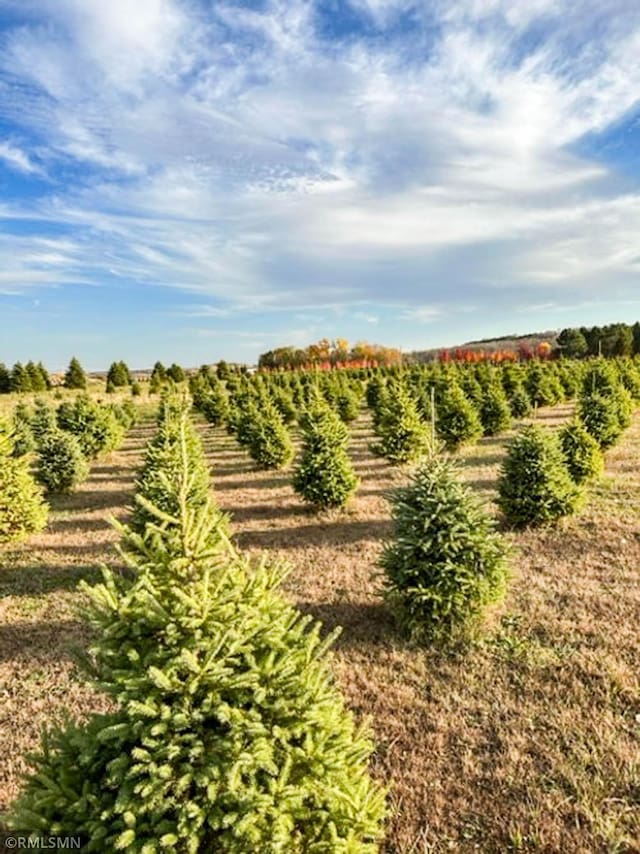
point(404, 437)
point(600, 415)
point(5, 379)
point(572, 344)
point(43, 420)
point(495, 414)
point(227, 734)
point(61, 464)
point(158, 378)
point(176, 373)
point(519, 402)
point(535, 485)
point(22, 508)
point(95, 426)
point(324, 476)
point(118, 375)
point(270, 444)
point(539, 386)
point(20, 380)
point(458, 421)
point(581, 452)
point(44, 375)
point(215, 404)
point(36, 380)
point(24, 441)
point(75, 376)
point(445, 563)
point(347, 405)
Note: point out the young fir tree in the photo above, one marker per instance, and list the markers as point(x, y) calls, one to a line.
point(581, 452)
point(43, 420)
point(61, 464)
point(5, 379)
point(324, 476)
point(24, 441)
point(600, 414)
point(445, 563)
point(215, 403)
point(227, 733)
point(36, 380)
point(22, 508)
point(270, 444)
point(495, 414)
point(519, 402)
point(75, 376)
point(347, 405)
point(457, 419)
point(20, 380)
point(404, 437)
point(535, 485)
point(93, 424)
point(163, 461)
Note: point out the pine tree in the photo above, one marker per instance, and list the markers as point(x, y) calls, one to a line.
point(581, 452)
point(118, 375)
point(519, 402)
point(44, 375)
point(600, 415)
point(61, 464)
point(457, 419)
point(75, 376)
point(20, 380)
point(36, 380)
point(215, 404)
point(270, 444)
point(445, 563)
point(347, 405)
point(495, 414)
point(404, 437)
point(43, 420)
point(94, 425)
point(158, 378)
point(24, 441)
point(22, 508)
point(324, 476)
point(176, 373)
point(535, 485)
point(228, 734)
point(5, 379)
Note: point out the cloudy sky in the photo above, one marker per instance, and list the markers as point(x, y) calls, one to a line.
point(191, 180)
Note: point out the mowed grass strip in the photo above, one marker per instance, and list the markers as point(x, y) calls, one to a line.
point(529, 741)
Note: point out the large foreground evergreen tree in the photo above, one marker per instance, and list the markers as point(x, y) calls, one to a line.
point(228, 733)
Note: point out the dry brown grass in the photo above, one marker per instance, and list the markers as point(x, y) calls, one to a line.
point(528, 741)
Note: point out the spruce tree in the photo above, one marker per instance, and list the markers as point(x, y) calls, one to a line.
point(324, 476)
point(5, 379)
point(22, 508)
point(43, 420)
point(270, 444)
point(535, 485)
point(519, 402)
point(228, 734)
point(495, 414)
point(20, 380)
point(215, 403)
point(457, 421)
point(445, 563)
point(75, 376)
point(94, 425)
point(24, 441)
point(36, 380)
point(61, 464)
point(600, 415)
point(404, 437)
point(581, 452)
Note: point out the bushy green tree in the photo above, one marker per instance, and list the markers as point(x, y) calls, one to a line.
point(519, 402)
point(540, 386)
point(495, 414)
point(581, 452)
point(176, 373)
point(94, 425)
point(20, 380)
point(572, 344)
point(43, 420)
point(324, 476)
point(270, 444)
point(215, 404)
point(24, 441)
point(5, 379)
point(164, 459)
point(75, 376)
point(23, 510)
point(347, 405)
point(61, 464)
point(457, 421)
point(535, 485)
point(403, 435)
point(600, 414)
point(227, 735)
point(444, 563)
point(158, 378)
point(119, 374)
point(37, 381)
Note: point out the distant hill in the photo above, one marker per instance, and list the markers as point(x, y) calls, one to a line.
point(503, 342)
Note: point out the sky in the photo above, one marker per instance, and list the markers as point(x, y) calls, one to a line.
point(192, 180)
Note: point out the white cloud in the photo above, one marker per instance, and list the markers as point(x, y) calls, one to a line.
point(233, 153)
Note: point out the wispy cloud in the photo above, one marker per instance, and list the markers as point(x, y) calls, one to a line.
point(243, 155)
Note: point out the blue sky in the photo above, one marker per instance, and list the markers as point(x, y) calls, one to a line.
point(192, 180)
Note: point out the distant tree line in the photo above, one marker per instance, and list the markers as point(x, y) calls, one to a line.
point(614, 339)
point(329, 354)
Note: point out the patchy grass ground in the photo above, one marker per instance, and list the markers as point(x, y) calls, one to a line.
point(529, 741)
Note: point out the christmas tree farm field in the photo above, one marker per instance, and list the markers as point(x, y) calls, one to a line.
point(529, 740)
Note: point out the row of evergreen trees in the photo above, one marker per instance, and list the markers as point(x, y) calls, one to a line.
point(227, 732)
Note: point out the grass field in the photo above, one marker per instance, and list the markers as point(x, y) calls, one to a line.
point(528, 741)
